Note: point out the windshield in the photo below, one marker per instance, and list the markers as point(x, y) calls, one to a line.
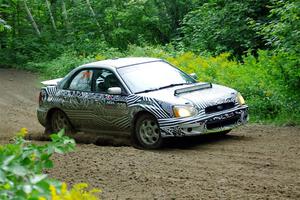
point(153, 76)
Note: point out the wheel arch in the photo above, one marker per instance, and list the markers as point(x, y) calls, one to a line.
point(139, 114)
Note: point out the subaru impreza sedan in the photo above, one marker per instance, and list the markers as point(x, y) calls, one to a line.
point(147, 99)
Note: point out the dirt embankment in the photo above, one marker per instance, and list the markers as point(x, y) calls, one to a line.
point(252, 162)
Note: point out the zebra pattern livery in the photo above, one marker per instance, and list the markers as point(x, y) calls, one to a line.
point(105, 112)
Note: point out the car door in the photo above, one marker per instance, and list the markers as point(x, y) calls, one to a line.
point(76, 99)
point(110, 110)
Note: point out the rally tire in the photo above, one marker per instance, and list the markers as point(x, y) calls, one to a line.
point(147, 132)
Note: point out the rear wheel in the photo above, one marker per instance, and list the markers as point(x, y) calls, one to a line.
point(147, 132)
point(58, 121)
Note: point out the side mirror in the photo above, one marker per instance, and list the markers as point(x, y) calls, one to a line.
point(114, 91)
point(194, 76)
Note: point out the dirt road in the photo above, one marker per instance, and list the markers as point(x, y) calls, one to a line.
point(252, 162)
point(18, 102)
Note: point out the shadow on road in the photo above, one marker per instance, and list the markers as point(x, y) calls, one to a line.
point(193, 141)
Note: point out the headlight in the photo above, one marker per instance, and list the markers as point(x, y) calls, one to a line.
point(240, 99)
point(184, 111)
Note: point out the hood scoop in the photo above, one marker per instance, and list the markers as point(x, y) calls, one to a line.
point(200, 86)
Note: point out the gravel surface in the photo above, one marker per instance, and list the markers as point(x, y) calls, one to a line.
point(252, 162)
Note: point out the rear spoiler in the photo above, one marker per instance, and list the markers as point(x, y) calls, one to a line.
point(199, 86)
point(51, 82)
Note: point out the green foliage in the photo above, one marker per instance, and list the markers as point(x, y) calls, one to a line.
point(283, 35)
point(67, 61)
point(84, 27)
point(222, 26)
point(283, 31)
point(122, 23)
point(130, 22)
point(21, 171)
point(215, 26)
point(3, 24)
point(60, 66)
point(22, 164)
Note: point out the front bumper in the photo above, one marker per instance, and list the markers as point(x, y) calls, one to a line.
point(204, 123)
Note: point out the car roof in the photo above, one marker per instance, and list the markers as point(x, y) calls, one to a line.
point(121, 62)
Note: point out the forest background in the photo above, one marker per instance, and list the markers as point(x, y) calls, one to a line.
point(250, 45)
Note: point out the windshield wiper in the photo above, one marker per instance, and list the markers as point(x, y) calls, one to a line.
point(163, 87)
point(172, 85)
point(148, 90)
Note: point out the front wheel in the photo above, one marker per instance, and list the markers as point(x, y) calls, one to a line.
point(147, 132)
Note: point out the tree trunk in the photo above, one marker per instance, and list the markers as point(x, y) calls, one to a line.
point(51, 15)
point(31, 19)
point(92, 11)
point(65, 15)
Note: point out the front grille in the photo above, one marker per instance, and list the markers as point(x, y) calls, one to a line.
point(219, 107)
point(222, 123)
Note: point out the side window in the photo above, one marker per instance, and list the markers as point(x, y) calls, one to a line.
point(82, 81)
point(105, 79)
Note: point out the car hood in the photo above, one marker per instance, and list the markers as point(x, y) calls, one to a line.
point(201, 98)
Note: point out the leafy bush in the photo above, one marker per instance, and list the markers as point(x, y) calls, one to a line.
point(283, 31)
point(21, 171)
point(79, 54)
point(60, 66)
point(222, 26)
